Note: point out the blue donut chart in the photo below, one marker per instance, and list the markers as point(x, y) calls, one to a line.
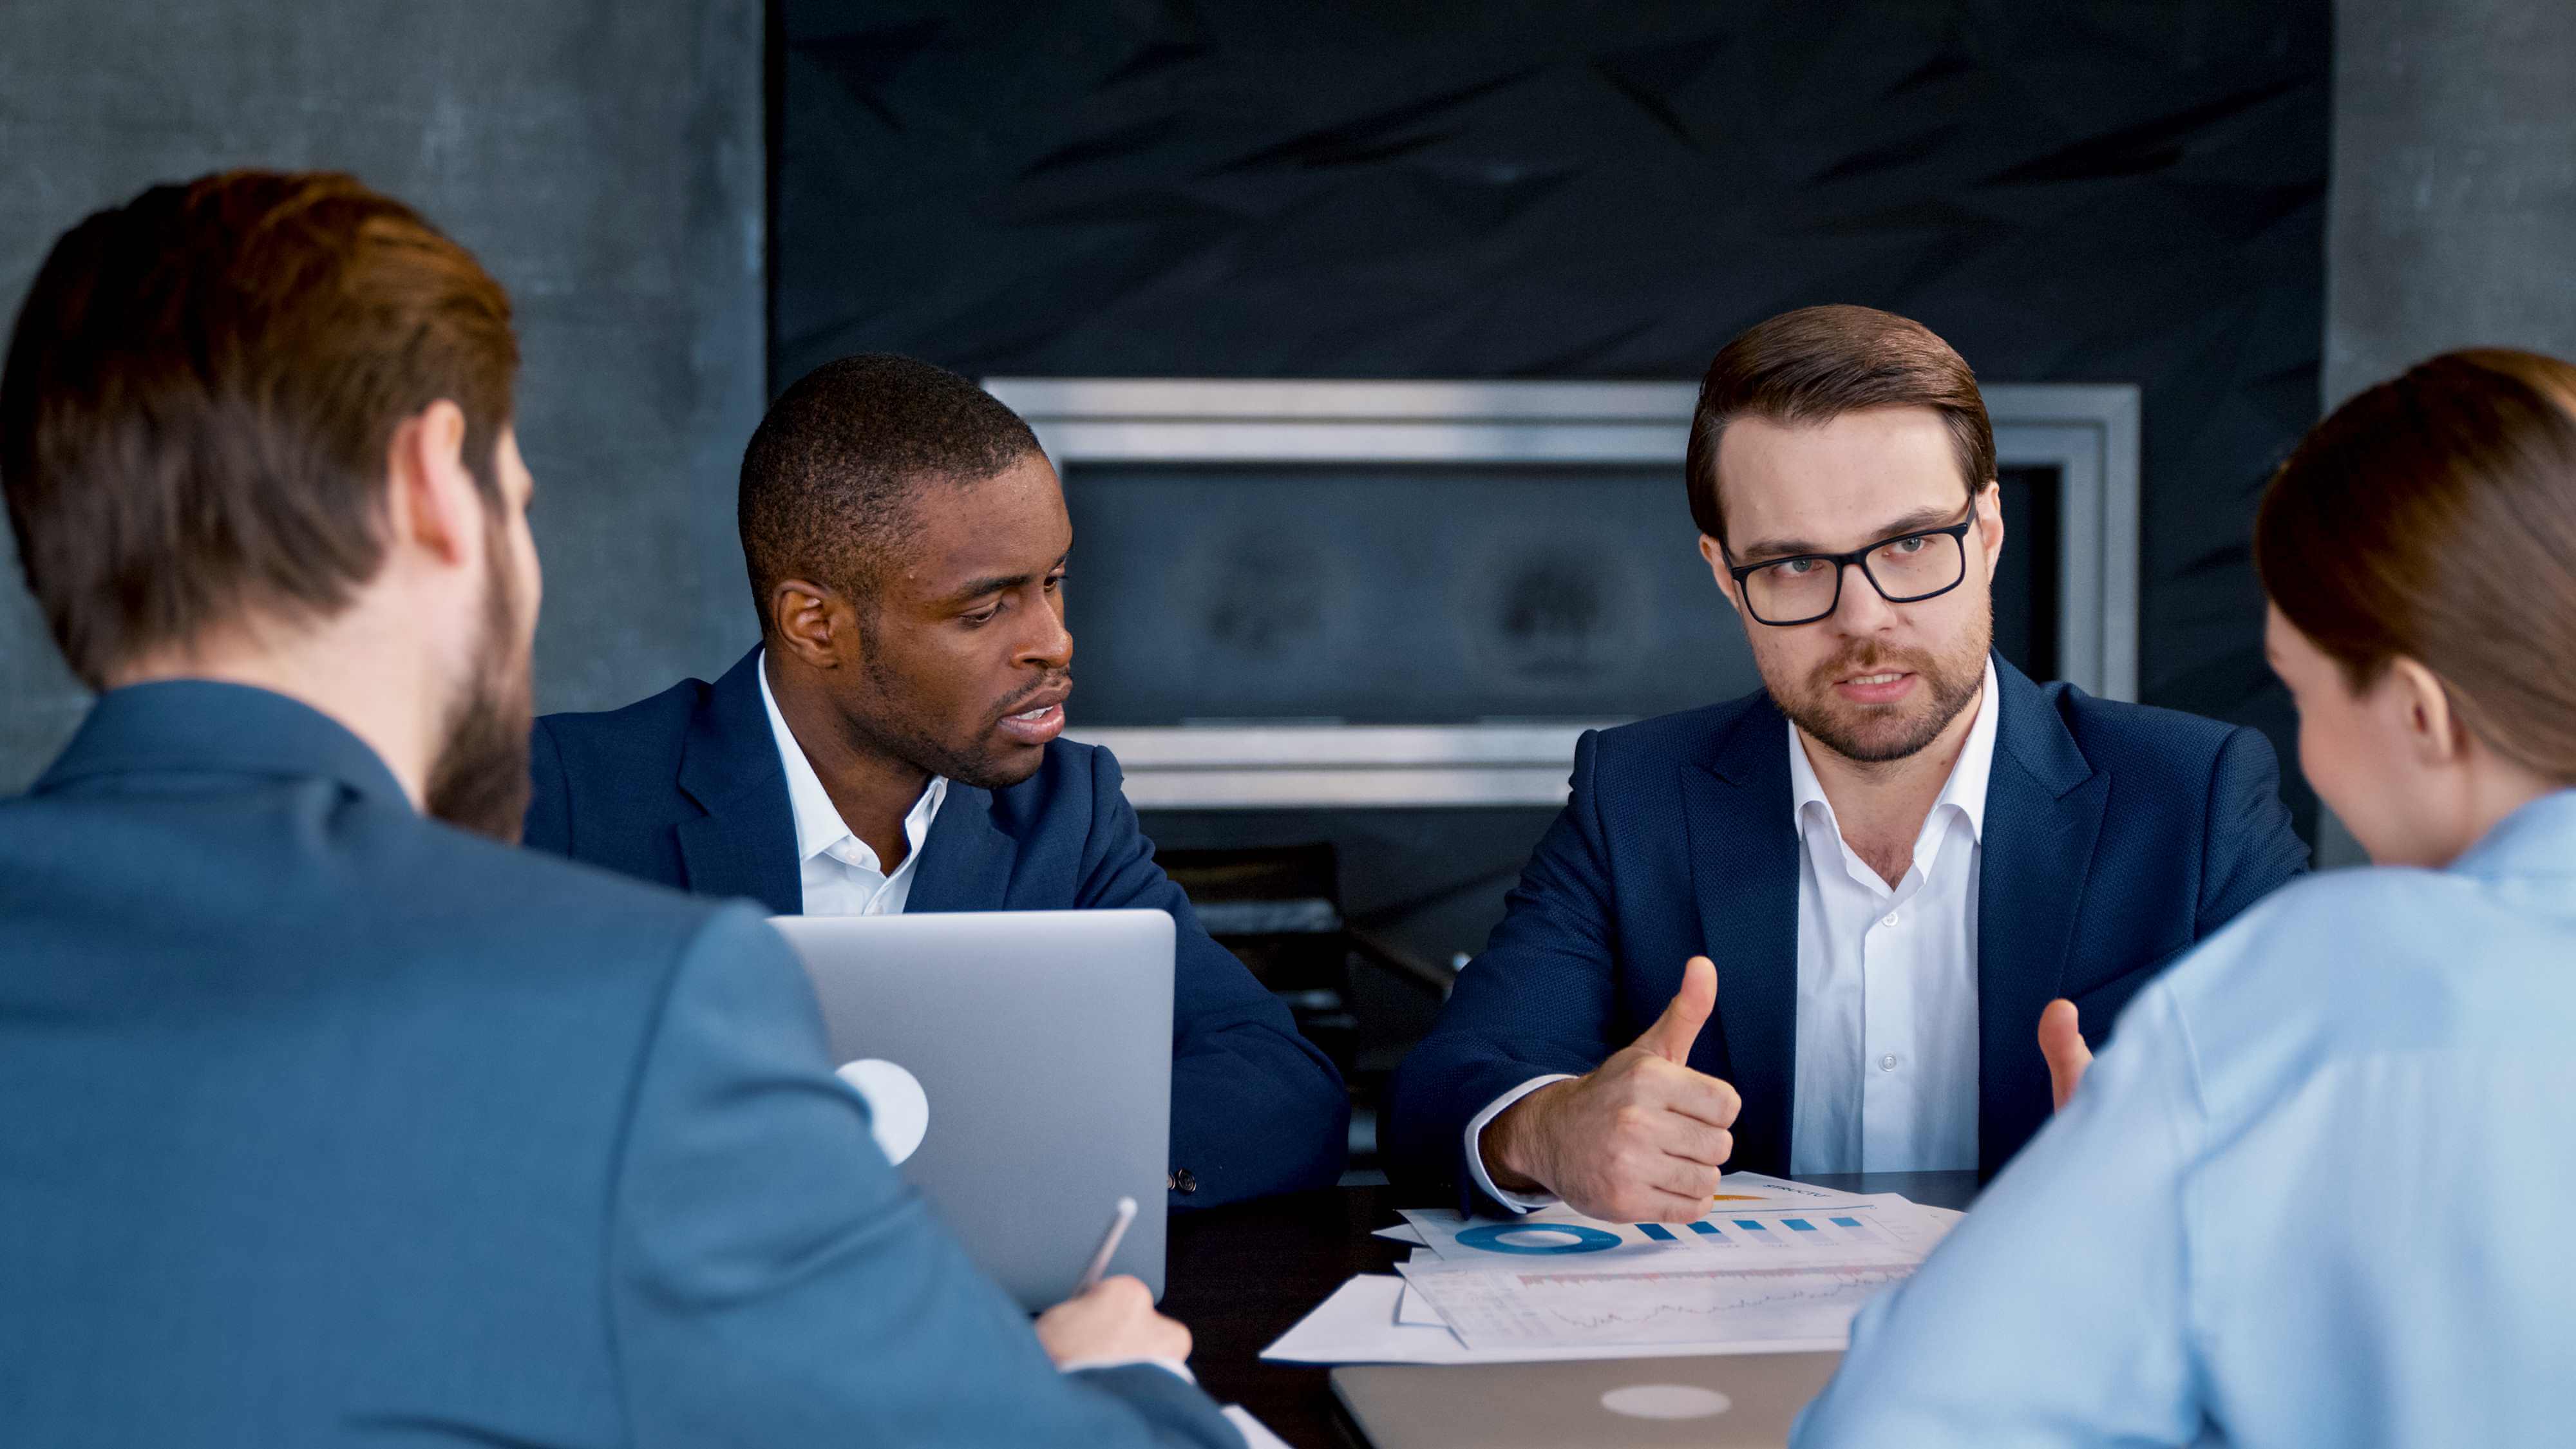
point(1490, 1239)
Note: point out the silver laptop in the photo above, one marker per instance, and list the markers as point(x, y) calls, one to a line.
point(1019, 1067)
point(1733, 1401)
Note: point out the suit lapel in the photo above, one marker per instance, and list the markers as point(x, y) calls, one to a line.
point(2044, 807)
point(745, 844)
point(1744, 870)
point(966, 859)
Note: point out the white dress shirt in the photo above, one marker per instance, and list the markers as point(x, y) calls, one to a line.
point(1887, 986)
point(1887, 980)
point(840, 873)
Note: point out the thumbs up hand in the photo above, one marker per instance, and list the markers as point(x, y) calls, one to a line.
point(1674, 1032)
point(1639, 1139)
point(2062, 1042)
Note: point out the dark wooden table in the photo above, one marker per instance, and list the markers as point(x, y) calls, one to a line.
point(1240, 1276)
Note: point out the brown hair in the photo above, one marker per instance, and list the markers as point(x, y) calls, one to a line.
point(2434, 518)
point(1817, 363)
point(200, 393)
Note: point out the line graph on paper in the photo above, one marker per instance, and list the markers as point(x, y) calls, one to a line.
point(1665, 1305)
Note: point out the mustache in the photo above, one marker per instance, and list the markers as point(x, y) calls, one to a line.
point(1870, 658)
point(1061, 679)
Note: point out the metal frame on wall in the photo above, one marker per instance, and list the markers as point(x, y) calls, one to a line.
point(2087, 432)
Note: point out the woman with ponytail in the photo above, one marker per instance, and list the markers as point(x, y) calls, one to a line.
point(2318, 1190)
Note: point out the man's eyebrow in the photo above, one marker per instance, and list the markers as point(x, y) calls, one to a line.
point(975, 589)
point(1915, 522)
point(1780, 548)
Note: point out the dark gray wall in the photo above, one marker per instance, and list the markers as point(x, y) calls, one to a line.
point(2094, 190)
point(605, 160)
point(2453, 221)
point(2454, 202)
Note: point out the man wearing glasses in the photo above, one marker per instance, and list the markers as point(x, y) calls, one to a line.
point(1894, 857)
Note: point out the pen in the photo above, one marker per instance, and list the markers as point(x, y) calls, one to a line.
point(1118, 1222)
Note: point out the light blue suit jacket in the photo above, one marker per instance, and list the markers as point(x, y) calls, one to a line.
point(2318, 1191)
point(326, 1124)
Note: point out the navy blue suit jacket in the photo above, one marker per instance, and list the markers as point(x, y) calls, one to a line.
point(2115, 836)
point(685, 789)
point(327, 1124)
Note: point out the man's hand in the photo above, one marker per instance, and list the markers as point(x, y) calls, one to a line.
point(2063, 1044)
point(1115, 1320)
point(1641, 1138)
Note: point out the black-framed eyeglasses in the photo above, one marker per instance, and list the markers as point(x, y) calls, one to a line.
point(1906, 569)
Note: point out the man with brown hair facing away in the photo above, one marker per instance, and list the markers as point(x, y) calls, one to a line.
point(329, 1122)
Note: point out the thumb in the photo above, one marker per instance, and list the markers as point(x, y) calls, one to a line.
point(2062, 1042)
point(1674, 1031)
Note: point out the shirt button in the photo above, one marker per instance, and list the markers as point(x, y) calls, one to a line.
point(1888, 920)
point(1887, 1063)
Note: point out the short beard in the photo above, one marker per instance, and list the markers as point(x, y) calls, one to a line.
point(1845, 729)
point(893, 728)
point(480, 780)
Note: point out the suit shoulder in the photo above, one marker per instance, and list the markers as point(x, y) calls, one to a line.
point(2118, 734)
point(1690, 734)
point(552, 900)
point(651, 728)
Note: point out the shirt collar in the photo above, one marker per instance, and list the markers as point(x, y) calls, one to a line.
point(2537, 839)
point(819, 826)
point(1964, 791)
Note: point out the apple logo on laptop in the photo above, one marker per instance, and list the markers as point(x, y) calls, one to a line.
point(898, 1109)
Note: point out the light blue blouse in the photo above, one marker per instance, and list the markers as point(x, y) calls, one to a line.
point(2320, 1189)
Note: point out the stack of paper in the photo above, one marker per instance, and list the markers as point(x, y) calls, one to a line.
point(1774, 1266)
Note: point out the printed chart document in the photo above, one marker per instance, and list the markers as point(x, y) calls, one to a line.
point(1743, 1273)
point(1839, 1227)
point(1675, 1302)
point(1357, 1324)
point(1768, 1272)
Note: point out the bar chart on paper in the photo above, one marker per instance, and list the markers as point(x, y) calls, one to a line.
point(1786, 1272)
point(1855, 1229)
point(1836, 1234)
point(1770, 1267)
point(1681, 1301)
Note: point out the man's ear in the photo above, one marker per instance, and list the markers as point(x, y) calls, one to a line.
point(432, 500)
point(2432, 730)
point(1990, 523)
point(812, 621)
point(1715, 552)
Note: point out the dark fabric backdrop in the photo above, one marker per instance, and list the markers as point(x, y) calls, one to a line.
point(2079, 190)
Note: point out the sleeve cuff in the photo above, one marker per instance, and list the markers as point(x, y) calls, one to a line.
point(1086, 1365)
point(1517, 1202)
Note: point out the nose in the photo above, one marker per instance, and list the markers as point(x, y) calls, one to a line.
point(1049, 645)
point(1863, 609)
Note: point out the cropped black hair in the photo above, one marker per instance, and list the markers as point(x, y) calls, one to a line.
point(829, 479)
